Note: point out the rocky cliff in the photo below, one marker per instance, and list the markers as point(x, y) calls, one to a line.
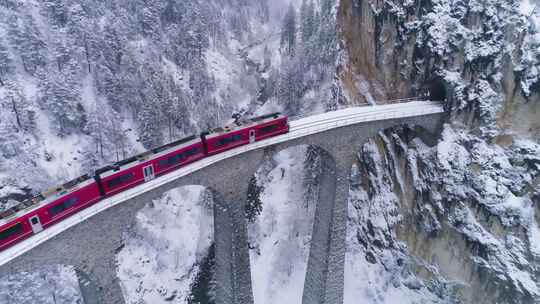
point(453, 217)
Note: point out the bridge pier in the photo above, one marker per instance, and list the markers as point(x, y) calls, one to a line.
point(233, 275)
point(325, 271)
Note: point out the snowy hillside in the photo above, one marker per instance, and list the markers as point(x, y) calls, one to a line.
point(84, 83)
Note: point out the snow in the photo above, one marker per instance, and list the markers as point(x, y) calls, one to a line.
point(523, 209)
point(171, 237)
point(450, 153)
point(504, 263)
point(48, 285)
point(368, 113)
point(534, 237)
point(372, 283)
point(64, 152)
point(527, 7)
point(378, 280)
point(281, 234)
point(9, 189)
point(364, 88)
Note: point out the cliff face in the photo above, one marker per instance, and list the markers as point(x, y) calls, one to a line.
point(455, 217)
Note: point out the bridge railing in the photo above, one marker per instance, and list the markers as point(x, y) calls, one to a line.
point(378, 102)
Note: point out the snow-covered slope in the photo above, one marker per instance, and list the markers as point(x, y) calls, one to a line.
point(280, 235)
point(165, 249)
point(49, 285)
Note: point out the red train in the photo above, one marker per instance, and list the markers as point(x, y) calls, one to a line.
point(50, 207)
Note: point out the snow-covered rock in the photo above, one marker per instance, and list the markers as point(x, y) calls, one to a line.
point(49, 285)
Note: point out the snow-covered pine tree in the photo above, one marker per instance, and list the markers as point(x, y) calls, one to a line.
point(307, 19)
point(27, 41)
point(288, 31)
point(55, 11)
point(149, 127)
point(6, 63)
point(150, 23)
point(289, 88)
point(15, 102)
point(61, 97)
point(254, 204)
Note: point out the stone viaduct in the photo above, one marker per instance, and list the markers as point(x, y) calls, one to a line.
point(91, 246)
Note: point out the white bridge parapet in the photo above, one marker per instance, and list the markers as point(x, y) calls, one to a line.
point(298, 128)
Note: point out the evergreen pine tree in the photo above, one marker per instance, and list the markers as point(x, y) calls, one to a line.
point(26, 39)
point(254, 204)
point(288, 31)
point(307, 19)
point(6, 64)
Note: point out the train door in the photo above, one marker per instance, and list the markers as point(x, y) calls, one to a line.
point(36, 224)
point(148, 173)
point(251, 136)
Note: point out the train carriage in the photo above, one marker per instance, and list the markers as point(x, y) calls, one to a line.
point(245, 132)
point(47, 209)
point(147, 166)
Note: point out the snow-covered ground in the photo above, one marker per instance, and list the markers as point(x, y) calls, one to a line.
point(161, 257)
point(280, 236)
point(50, 285)
point(530, 8)
point(372, 283)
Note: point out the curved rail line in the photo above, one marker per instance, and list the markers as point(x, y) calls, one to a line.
point(298, 128)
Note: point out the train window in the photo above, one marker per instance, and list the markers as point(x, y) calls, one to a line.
point(268, 129)
point(191, 152)
point(228, 140)
point(59, 208)
point(173, 160)
point(119, 180)
point(34, 221)
point(11, 231)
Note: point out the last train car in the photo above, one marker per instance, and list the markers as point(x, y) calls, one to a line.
point(46, 209)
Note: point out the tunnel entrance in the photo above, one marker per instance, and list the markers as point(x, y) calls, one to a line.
point(435, 89)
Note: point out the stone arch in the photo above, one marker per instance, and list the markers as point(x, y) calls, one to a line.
point(289, 257)
point(49, 283)
point(176, 235)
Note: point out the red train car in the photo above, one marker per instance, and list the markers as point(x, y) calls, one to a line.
point(147, 166)
point(245, 132)
point(46, 210)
